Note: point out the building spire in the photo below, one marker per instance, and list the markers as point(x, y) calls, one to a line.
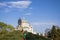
point(19, 21)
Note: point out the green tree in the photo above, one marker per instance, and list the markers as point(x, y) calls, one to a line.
point(5, 27)
point(14, 35)
point(31, 36)
point(54, 33)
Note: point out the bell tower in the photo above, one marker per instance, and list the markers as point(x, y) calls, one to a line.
point(19, 21)
point(19, 25)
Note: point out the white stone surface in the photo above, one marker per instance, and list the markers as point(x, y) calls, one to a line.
point(25, 26)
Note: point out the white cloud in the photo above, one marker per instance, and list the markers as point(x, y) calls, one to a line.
point(43, 24)
point(27, 14)
point(2, 4)
point(17, 4)
point(20, 4)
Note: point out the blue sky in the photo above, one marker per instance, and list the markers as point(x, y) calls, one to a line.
point(41, 14)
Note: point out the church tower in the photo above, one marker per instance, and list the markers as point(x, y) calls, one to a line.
point(19, 25)
point(20, 22)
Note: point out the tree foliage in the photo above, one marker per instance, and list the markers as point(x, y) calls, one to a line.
point(7, 32)
point(14, 35)
point(54, 33)
point(31, 36)
point(5, 27)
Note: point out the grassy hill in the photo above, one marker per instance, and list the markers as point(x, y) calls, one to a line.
point(15, 35)
point(6, 27)
point(7, 32)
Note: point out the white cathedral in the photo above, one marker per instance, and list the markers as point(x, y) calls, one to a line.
point(24, 25)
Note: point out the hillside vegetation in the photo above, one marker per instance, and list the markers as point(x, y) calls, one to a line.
point(5, 27)
point(7, 32)
point(15, 35)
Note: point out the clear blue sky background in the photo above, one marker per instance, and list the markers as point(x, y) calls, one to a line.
point(41, 14)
